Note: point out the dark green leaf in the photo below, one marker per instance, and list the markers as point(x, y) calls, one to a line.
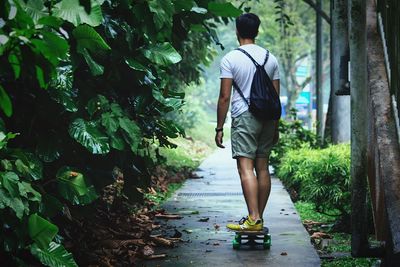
point(40, 77)
point(95, 68)
point(109, 122)
point(88, 135)
point(88, 38)
point(54, 255)
point(52, 47)
point(14, 60)
point(72, 11)
point(117, 142)
point(5, 102)
point(97, 104)
point(50, 206)
point(49, 148)
point(26, 190)
point(133, 132)
point(41, 230)
point(10, 182)
point(163, 11)
point(51, 21)
point(73, 186)
point(133, 64)
point(224, 9)
point(163, 54)
point(34, 8)
point(183, 5)
point(61, 89)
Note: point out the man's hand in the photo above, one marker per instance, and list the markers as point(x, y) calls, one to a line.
point(218, 139)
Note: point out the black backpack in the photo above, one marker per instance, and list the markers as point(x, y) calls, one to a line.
point(264, 100)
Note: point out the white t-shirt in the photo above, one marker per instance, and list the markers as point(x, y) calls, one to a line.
point(239, 67)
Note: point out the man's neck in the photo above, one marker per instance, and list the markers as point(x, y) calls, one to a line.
point(246, 41)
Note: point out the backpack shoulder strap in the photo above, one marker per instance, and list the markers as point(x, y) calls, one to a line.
point(266, 58)
point(240, 93)
point(248, 55)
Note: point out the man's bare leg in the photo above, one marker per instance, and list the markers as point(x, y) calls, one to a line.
point(264, 183)
point(249, 185)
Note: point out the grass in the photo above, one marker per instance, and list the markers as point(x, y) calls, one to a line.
point(192, 150)
point(341, 241)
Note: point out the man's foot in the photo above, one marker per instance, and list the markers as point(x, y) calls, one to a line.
point(247, 224)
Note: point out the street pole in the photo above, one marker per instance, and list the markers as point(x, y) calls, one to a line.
point(319, 89)
point(340, 105)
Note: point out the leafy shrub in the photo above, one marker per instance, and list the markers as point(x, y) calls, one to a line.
point(292, 135)
point(321, 176)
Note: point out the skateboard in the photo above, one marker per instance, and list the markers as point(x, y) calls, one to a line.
point(251, 237)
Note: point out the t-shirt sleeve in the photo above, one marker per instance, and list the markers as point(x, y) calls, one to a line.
point(225, 69)
point(276, 75)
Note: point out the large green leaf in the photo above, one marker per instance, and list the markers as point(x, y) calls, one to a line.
point(72, 11)
point(224, 9)
point(35, 8)
point(41, 230)
point(26, 190)
point(10, 182)
point(163, 12)
point(73, 186)
point(29, 164)
point(133, 64)
point(88, 38)
point(54, 255)
point(95, 68)
point(117, 141)
point(163, 54)
point(49, 147)
point(52, 47)
point(133, 132)
point(98, 104)
point(61, 88)
point(14, 203)
point(5, 102)
point(87, 134)
point(110, 122)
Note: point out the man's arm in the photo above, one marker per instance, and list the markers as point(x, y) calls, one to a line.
point(277, 86)
point(222, 109)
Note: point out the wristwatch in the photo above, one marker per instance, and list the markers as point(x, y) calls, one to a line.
point(219, 130)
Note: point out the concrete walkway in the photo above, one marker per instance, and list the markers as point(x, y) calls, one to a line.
point(217, 196)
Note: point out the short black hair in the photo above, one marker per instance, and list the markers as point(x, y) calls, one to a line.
point(247, 25)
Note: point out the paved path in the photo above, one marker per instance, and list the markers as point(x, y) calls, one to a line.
point(218, 196)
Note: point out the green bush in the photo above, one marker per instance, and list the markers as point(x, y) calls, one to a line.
point(292, 135)
point(321, 176)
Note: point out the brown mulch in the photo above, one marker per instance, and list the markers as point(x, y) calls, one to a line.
point(118, 233)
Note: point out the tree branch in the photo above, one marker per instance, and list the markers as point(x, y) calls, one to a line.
point(318, 10)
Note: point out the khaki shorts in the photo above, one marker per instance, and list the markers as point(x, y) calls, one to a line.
point(250, 137)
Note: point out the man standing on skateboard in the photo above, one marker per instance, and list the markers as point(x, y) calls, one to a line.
point(251, 138)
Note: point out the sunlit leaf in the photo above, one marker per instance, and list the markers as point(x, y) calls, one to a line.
point(54, 255)
point(163, 54)
point(72, 11)
point(88, 135)
point(73, 186)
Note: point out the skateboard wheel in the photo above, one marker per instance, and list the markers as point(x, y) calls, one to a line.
point(235, 244)
point(266, 246)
